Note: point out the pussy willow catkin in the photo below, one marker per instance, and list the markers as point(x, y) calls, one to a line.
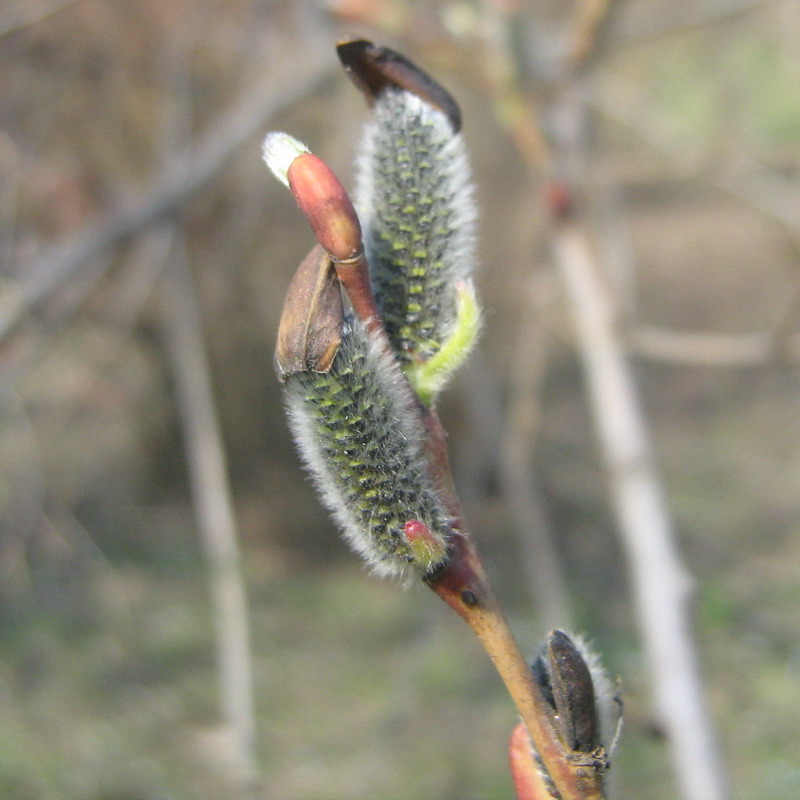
point(415, 200)
point(362, 440)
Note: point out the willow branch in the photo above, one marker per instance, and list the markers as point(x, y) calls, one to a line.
point(213, 506)
point(661, 584)
point(676, 20)
point(589, 23)
point(710, 349)
point(770, 195)
point(188, 174)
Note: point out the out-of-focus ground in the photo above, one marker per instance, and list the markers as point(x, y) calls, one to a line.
point(107, 676)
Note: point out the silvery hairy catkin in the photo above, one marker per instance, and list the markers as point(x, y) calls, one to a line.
point(360, 435)
point(415, 201)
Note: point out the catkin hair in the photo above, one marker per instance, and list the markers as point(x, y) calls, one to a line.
point(415, 200)
point(358, 432)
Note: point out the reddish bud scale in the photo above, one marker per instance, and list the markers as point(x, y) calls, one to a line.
point(324, 201)
point(528, 782)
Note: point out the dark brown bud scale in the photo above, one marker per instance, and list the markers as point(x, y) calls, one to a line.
point(310, 329)
point(374, 69)
point(573, 694)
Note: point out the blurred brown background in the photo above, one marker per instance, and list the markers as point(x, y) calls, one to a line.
point(130, 141)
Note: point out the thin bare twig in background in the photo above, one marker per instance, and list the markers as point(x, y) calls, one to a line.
point(189, 173)
point(28, 12)
point(678, 19)
point(213, 506)
point(590, 21)
point(710, 349)
point(660, 583)
point(771, 195)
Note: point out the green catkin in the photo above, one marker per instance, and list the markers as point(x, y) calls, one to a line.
point(360, 436)
point(417, 210)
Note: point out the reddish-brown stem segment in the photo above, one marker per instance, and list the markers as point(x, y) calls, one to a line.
point(327, 206)
point(464, 586)
point(353, 274)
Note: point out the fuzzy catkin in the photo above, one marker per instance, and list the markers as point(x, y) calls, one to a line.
point(358, 435)
point(415, 200)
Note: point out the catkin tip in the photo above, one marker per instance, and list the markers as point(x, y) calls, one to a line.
point(279, 151)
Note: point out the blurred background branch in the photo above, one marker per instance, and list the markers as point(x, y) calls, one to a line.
point(185, 174)
point(661, 586)
point(16, 15)
point(213, 504)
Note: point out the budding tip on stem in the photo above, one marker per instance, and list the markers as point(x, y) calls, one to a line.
point(428, 548)
point(327, 206)
point(279, 151)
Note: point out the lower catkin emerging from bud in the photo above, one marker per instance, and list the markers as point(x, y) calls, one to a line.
point(358, 432)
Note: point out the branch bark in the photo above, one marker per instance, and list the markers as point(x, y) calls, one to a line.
point(660, 583)
point(710, 349)
point(213, 506)
point(189, 173)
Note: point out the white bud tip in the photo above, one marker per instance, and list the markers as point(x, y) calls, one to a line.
point(279, 151)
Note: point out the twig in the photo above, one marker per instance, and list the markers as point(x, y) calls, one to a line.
point(213, 507)
point(660, 584)
point(465, 587)
point(29, 13)
point(675, 20)
point(710, 349)
point(590, 20)
point(775, 198)
point(190, 172)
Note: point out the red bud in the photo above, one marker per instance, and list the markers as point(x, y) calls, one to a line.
point(324, 201)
